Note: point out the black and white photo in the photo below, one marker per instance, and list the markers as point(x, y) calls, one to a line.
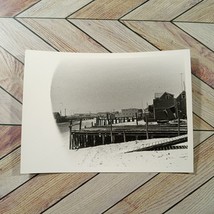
point(109, 112)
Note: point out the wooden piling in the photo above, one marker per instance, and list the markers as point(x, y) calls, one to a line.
point(111, 133)
point(74, 141)
point(85, 140)
point(136, 119)
point(147, 133)
point(178, 124)
point(94, 140)
point(80, 125)
point(103, 139)
point(71, 136)
point(124, 137)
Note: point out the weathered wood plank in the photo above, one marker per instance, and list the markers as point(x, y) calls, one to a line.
point(54, 8)
point(201, 136)
point(15, 38)
point(203, 100)
point(156, 10)
point(165, 190)
point(11, 74)
point(202, 12)
point(10, 109)
point(13, 7)
point(107, 9)
point(199, 124)
point(10, 177)
point(171, 37)
point(113, 35)
point(63, 35)
point(202, 32)
point(100, 192)
point(10, 139)
point(42, 191)
point(201, 201)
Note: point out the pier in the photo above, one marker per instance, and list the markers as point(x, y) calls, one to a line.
point(101, 135)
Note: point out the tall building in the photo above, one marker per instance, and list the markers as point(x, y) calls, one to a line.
point(164, 107)
point(181, 103)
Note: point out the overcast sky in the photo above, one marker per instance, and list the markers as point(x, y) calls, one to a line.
point(113, 84)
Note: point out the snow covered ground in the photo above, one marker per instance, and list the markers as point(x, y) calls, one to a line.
point(114, 157)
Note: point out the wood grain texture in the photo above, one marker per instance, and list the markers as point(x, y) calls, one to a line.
point(10, 138)
point(54, 8)
point(62, 35)
point(98, 194)
point(200, 136)
point(41, 192)
point(201, 201)
point(165, 190)
point(10, 109)
point(113, 35)
point(15, 38)
point(203, 100)
point(199, 124)
point(202, 32)
point(10, 177)
point(202, 12)
point(107, 9)
point(11, 74)
point(13, 7)
point(170, 37)
point(164, 10)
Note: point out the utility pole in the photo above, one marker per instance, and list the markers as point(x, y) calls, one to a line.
point(181, 81)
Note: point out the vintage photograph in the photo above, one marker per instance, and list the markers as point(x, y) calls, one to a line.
point(107, 112)
point(123, 110)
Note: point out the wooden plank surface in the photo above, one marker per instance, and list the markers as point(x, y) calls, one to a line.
point(202, 32)
point(11, 74)
point(199, 124)
point(154, 10)
point(10, 109)
point(13, 7)
point(15, 38)
point(10, 177)
point(100, 192)
point(199, 201)
point(106, 9)
point(10, 139)
point(203, 97)
point(42, 25)
point(203, 12)
point(47, 190)
point(54, 8)
point(113, 35)
point(66, 38)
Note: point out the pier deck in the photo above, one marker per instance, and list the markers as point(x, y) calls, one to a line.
point(101, 135)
